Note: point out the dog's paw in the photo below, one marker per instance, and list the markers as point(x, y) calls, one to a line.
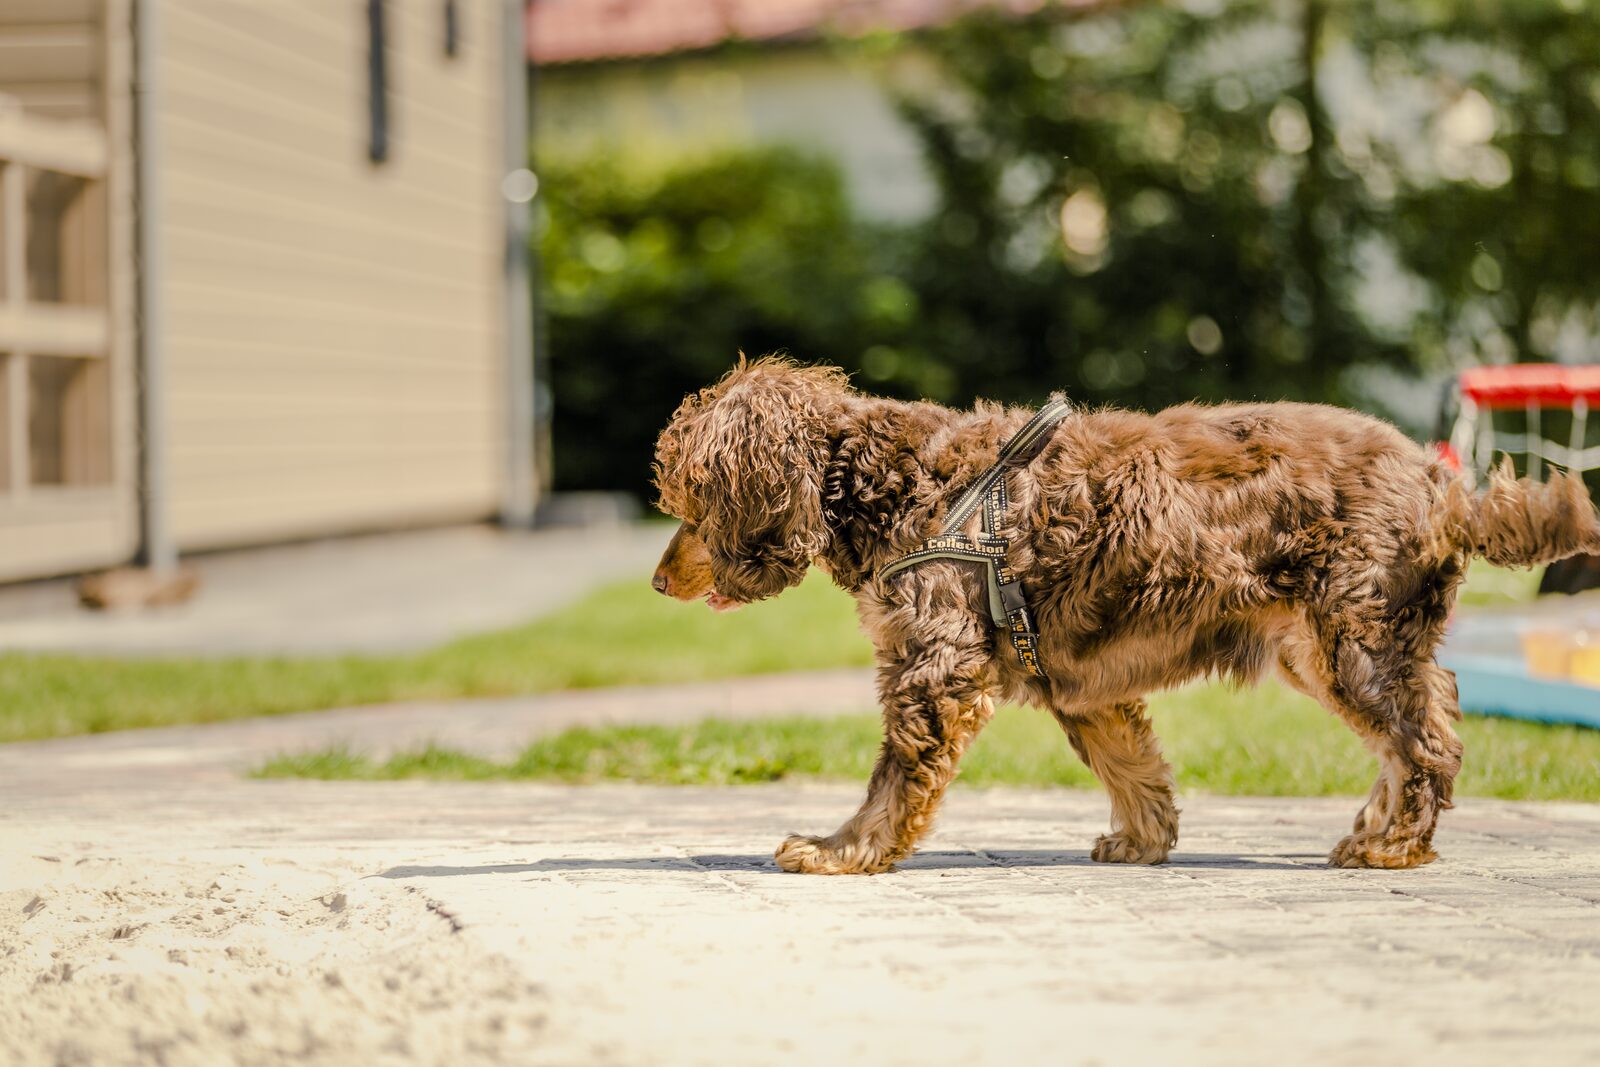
point(1120, 848)
point(1371, 850)
point(814, 855)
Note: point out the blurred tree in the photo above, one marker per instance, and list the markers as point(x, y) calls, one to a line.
point(1139, 205)
point(1262, 198)
point(1142, 204)
point(1496, 179)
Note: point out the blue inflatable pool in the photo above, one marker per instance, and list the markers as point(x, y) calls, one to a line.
point(1502, 686)
point(1484, 649)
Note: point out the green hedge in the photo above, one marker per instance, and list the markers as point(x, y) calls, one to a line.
point(656, 276)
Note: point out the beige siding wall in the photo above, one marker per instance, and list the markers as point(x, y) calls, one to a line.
point(333, 325)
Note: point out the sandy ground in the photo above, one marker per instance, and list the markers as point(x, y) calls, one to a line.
point(203, 919)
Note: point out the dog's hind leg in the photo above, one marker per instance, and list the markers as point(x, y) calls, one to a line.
point(1119, 746)
point(1421, 757)
point(1402, 706)
point(930, 715)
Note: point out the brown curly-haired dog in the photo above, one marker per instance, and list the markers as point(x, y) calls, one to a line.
point(1153, 549)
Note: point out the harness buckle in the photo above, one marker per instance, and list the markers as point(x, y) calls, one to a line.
point(1011, 596)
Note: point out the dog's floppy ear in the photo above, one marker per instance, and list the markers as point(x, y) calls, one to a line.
point(746, 458)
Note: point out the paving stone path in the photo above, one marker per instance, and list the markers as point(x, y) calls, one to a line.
point(181, 917)
point(391, 592)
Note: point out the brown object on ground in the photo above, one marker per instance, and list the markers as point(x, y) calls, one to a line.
point(1152, 549)
point(128, 588)
point(1571, 576)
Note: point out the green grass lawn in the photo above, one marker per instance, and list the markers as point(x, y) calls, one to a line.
point(1488, 586)
point(1261, 741)
point(625, 634)
point(1264, 741)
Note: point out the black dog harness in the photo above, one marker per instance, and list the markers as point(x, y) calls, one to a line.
point(1007, 606)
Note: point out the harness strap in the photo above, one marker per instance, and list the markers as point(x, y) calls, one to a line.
point(1007, 606)
point(1022, 447)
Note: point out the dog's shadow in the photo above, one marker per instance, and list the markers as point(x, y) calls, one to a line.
point(922, 861)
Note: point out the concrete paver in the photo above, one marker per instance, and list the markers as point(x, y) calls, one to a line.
point(219, 920)
point(648, 925)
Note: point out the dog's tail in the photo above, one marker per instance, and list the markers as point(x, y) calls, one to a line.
point(1519, 522)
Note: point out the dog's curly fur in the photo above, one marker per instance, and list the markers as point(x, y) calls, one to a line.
point(1154, 549)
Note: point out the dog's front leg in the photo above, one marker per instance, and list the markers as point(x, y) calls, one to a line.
point(929, 716)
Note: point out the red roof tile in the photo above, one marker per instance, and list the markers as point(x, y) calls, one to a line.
point(566, 31)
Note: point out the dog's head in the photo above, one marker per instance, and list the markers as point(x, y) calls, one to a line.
point(742, 463)
point(684, 572)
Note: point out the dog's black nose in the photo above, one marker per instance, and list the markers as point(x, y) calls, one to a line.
point(659, 582)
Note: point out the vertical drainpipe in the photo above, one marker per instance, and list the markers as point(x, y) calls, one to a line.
point(157, 549)
point(517, 188)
